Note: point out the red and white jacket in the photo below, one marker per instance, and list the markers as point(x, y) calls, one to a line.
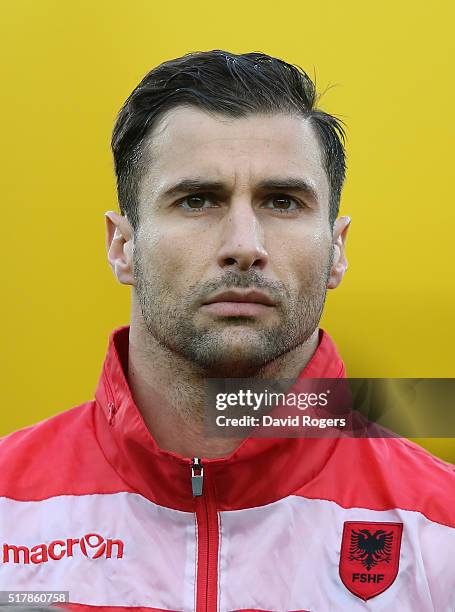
point(91, 505)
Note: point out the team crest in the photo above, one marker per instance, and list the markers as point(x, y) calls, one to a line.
point(370, 556)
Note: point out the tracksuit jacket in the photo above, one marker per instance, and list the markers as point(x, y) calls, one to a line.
point(90, 504)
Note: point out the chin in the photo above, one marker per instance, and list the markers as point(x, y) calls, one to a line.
point(235, 352)
point(239, 361)
point(235, 369)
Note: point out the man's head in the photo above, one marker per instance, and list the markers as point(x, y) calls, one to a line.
point(228, 179)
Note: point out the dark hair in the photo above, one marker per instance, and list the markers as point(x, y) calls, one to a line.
point(228, 84)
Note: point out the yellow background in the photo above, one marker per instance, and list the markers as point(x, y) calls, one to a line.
point(67, 68)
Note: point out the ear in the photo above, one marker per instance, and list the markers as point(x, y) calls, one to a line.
point(119, 242)
point(339, 263)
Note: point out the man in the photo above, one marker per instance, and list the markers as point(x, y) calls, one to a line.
point(229, 182)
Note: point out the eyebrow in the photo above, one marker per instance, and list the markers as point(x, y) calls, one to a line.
point(289, 184)
point(193, 185)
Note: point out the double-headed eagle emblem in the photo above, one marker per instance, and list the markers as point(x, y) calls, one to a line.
point(370, 548)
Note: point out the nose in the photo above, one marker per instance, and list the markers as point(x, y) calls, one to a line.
point(242, 241)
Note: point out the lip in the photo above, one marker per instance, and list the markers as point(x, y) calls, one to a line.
point(245, 297)
point(250, 303)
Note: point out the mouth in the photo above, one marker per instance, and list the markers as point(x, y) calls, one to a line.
point(232, 303)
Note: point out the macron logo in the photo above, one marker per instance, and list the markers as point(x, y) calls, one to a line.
point(92, 545)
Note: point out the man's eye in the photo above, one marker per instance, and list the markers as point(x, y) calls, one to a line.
point(283, 203)
point(196, 202)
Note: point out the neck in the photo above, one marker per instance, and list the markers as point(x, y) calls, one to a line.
point(169, 392)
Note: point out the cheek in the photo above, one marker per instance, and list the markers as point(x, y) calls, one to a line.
point(305, 258)
point(174, 262)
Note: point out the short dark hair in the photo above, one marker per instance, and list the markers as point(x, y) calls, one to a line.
point(224, 83)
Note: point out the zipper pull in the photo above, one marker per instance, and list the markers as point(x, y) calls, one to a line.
point(197, 480)
point(112, 410)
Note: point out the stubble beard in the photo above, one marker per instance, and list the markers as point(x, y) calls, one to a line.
point(236, 347)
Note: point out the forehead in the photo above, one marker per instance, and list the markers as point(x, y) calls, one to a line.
point(189, 142)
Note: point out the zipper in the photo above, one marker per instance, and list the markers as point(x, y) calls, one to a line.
point(207, 539)
point(197, 480)
point(112, 411)
point(110, 398)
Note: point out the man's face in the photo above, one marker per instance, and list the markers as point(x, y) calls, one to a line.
point(232, 204)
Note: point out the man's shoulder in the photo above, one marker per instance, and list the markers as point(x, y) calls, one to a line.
point(412, 478)
point(408, 462)
point(382, 474)
point(399, 460)
point(45, 437)
point(421, 458)
point(59, 455)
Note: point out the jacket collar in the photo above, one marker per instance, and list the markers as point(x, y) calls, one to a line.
point(258, 471)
